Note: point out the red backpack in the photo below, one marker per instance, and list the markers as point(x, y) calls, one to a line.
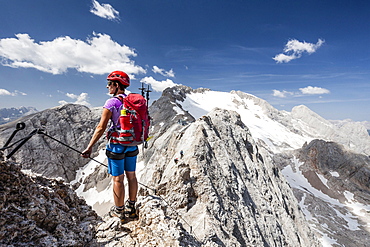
point(134, 121)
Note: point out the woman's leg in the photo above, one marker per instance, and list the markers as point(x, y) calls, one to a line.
point(118, 190)
point(132, 185)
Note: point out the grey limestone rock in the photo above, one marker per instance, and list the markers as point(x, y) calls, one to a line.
point(37, 211)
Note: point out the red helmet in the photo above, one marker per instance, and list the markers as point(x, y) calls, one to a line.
point(119, 76)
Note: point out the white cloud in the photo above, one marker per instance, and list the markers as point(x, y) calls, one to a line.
point(307, 90)
point(19, 92)
point(4, 92)
point(314, 90)
point(98, 55)
point(158, 86)
point(281, 94)
point(104, 11)
point(294, 49)
point(163, 72)
point(282, 58)
point(81, 99)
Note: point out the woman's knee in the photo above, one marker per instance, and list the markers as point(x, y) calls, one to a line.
point(118, 179)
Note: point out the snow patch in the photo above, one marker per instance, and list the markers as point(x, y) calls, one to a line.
point(178, 110)
point(323, 179)
point(92, 195)
point(334, 174)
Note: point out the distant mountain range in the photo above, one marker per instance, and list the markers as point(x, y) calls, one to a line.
point(340, 123)
point(10, 114)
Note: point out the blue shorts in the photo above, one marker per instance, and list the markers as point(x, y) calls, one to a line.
point(118, 167)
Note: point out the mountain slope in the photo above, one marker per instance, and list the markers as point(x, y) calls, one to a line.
point(333, 187)
point(279, 130)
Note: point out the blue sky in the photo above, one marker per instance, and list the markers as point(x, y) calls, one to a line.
point(286, 52)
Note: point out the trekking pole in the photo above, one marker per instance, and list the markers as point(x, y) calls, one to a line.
point(43, 133)
point(142, 88)
point(147, 95)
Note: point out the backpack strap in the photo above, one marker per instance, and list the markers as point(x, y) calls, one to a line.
point(119, 97)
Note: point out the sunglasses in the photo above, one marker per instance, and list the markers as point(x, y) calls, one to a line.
point(110, 83)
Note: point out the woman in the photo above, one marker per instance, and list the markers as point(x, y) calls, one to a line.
point(118, 81)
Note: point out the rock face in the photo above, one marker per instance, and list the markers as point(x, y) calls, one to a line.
point(353, 169)
point(36, 211)
point(165, 111)
point(70, 124)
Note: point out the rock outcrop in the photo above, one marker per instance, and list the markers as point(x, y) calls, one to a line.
point(37, 211)
point(157, 226)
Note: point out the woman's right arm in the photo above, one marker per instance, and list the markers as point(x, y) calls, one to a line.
point(99, 131)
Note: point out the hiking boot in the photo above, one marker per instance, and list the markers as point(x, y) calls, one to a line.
point(131, 209)
point(114, 212)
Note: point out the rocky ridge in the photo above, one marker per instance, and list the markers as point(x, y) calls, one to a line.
point(225, 184)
